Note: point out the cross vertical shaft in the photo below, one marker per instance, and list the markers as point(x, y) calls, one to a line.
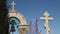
point(46, 18)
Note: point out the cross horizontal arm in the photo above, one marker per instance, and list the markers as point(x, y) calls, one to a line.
point(42, 18)
point(50, 18)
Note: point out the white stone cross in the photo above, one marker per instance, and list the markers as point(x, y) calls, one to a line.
point(13, 4)
point(46, 18)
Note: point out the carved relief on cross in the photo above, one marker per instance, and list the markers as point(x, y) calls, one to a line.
point(46, 18)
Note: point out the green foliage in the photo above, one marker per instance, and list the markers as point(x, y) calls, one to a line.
point(4, 25)
point(13, 22)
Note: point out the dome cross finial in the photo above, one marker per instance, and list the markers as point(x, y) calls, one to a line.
point(13, 4)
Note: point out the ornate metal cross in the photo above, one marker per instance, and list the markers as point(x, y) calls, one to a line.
point(46, 18)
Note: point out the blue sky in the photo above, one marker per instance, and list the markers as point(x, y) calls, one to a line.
point(35, 9)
